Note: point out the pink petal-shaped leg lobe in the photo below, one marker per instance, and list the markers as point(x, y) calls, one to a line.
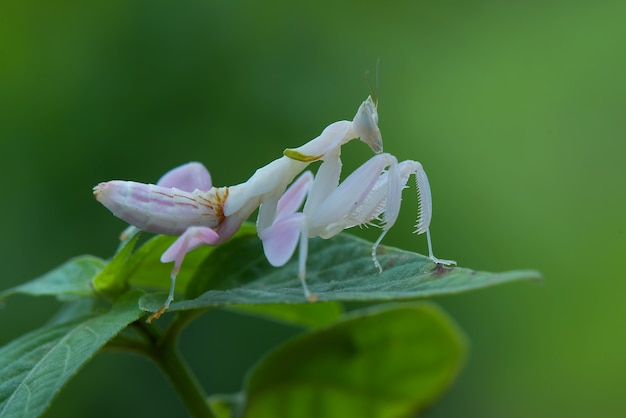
point(191, 239)
point(281, 239)
point(187, 177)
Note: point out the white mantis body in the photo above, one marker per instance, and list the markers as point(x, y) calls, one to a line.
point(185, 203)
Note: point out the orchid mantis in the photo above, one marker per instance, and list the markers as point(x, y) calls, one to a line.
point(185, 203)
point(371, 195)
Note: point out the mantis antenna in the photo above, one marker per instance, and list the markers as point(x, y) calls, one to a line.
point(374, 92)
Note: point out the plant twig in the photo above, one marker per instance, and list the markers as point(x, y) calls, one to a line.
point(162, 347)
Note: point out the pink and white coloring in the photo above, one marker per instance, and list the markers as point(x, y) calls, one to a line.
point(184, 202)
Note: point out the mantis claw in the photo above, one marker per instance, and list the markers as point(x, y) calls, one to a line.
point(157, 314)
point(443, 262)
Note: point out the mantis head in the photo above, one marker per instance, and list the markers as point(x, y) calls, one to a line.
point(366, 125)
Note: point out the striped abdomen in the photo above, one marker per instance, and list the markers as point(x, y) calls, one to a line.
point(162, 210)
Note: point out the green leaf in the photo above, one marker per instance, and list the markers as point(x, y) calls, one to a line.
point(76, 309)
point(112, 280)
point(338, 269)
point(36, 366)
point(73, 278)
point(310, 315)
point(387, 361)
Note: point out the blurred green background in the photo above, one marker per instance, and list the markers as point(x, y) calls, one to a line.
point(515, 109)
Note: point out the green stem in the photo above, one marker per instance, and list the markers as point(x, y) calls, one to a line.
point(183, 380)
point(162, 347)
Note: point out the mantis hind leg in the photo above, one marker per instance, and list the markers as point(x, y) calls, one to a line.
point(191, 239)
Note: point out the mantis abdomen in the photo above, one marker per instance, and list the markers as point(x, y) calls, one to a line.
point(162, 210)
